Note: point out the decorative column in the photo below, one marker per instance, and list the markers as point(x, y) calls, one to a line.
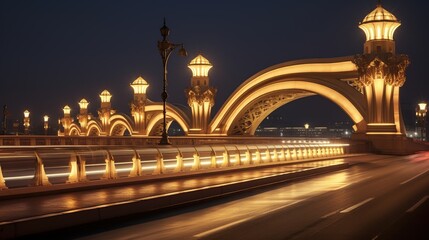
point(421, 111)
point(26, 122)
point(105, 112)
point(66, 121)
point(83, 116)
point(138, 105)
point(46, 124)
point(381, 73)
point(200, 95)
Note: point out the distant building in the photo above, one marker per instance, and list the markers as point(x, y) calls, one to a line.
point(336, 130)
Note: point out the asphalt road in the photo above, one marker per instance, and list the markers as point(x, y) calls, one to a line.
point(381, 198)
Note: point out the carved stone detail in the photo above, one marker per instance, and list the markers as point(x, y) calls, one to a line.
point(257, 110)
point(387, 66)
point(200, 96)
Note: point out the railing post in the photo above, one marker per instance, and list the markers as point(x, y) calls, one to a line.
point(225, 155)
point(40, 177)
point(293, 154)
point(238, 157)
point(2, 181)
point(282, 154)
point(304, 153)
point(137, 166)
point(258, 156)
point(160, 168)
point(74, 170)
point(110, 167)
point(179, 161)
point(197, 162)
point(267, 155)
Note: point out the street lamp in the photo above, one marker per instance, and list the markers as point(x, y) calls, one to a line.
point(46, 124)
point(26, 121)
point(421, 111)
point(165, 48)
point(306, 126)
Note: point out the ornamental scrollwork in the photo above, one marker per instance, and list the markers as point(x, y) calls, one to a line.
point(389, 67)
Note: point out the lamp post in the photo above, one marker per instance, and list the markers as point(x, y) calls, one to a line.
point(46, 124)
point(306, 126)
point(165, 48)
point(26, 121)
point(421, 111)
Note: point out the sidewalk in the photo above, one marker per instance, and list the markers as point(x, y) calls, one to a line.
point(41, 209)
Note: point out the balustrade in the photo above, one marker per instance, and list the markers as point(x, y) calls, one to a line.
point(23, 166)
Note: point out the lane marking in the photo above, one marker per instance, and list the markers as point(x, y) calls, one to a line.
point(330, 214)
point(211, 231)
point(349, 209)
point(418, 204)
point(411, 179)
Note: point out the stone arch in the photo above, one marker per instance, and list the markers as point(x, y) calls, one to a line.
point(74, 130)
point(274, 87)
point(119, 124)
point(154, 124)
point(94, 128)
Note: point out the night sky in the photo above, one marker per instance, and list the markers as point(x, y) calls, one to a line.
point(54, 53)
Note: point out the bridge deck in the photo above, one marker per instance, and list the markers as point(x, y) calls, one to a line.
point(31, 214)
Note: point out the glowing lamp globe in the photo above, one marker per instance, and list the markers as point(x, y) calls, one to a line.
point(379, 24)
point(105, 96)
point(67, 110)
point(83, 104)
point(422, 106)
point(26, 114)
point(200, 66)
point(139, 86)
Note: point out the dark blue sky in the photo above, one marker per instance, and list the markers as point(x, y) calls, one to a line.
point(54, 53)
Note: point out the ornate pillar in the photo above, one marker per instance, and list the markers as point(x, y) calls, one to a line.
point(83, 116)
point(381, 73)
point(138, 105)
point(200, 95)
point(66, 121)
point(105, 112)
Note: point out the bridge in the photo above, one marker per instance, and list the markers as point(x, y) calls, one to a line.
point(365, 86)
point(114, 146)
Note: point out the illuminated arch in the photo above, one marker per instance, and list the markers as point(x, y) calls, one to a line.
point(289, 81)
point(94, 128)
point(74, 130)
point(119, 124)
point(173, 113)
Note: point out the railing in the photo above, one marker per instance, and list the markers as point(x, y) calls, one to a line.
point(39, 140)
point(46, 165)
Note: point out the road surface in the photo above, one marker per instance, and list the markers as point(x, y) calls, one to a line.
point(383, 198)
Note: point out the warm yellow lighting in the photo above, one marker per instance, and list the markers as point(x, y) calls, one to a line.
point(139, 86)
point(306, 126)
point(287, 69)
point(200, 66)
point(422, 106)
point(46, 118)
point(83, 104)
point(105, 96)
point(342, 101)
point(66, 110)
point(379, 24)
point(26, 114)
